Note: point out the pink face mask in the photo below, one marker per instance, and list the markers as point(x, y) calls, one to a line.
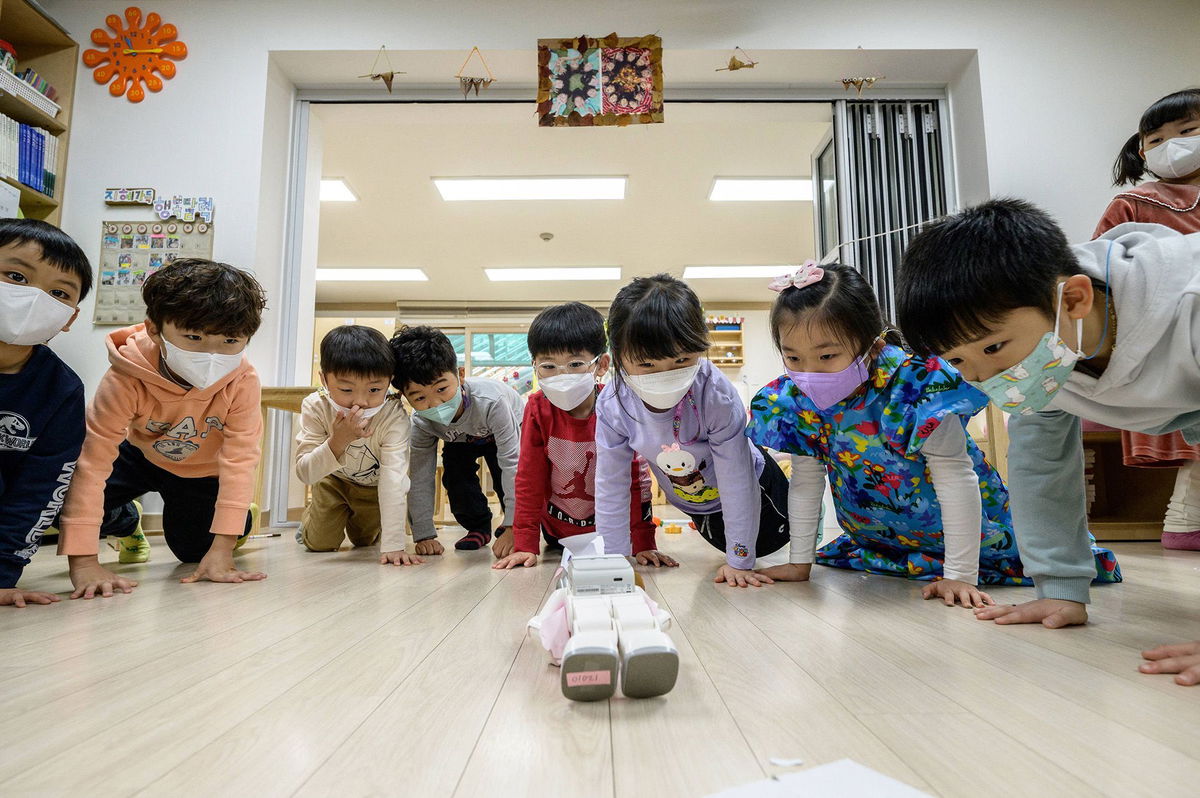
point(826, 390)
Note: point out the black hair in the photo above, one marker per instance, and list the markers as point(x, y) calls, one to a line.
point(841, 301)
point(205, 296)
point(1130, 166)
point(422, 355)
point(572, 327)
point(653, 318)
point(962, 274)
point(357, 351)
point(58, 248)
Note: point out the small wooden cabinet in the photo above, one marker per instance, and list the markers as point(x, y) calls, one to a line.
point(1129, 502)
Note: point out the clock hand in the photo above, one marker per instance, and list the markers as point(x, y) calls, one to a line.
point(136, 52)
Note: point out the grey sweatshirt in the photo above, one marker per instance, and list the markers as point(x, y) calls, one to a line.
point(1151, 384)
point(493, 409)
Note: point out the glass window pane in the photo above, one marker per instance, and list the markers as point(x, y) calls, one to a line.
point(504, 357)
point(459, 340)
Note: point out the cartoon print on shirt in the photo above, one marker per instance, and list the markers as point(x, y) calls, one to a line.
point(14, 432)
point(362, 466)
point(177, 442)
point(685, 476)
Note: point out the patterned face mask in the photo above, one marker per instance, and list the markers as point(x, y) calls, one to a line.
point(1028, 386)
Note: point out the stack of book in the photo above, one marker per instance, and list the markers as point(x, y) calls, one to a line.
point(28, 155)
point(39, 83)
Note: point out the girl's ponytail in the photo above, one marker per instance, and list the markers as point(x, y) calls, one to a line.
point(1129, 166)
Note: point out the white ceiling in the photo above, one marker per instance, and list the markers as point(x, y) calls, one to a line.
point(389, 152)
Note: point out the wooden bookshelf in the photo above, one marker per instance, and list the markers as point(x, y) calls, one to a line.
point(1130, 502)
point(46, 48)
point(726, 348)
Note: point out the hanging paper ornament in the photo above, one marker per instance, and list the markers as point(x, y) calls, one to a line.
point(866, 81)
point(388, 76)
point(476, 82)
point(736, 63)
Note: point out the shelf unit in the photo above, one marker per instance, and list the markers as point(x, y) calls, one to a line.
point(1130, 502)
point(726, 347)
point(46, 48)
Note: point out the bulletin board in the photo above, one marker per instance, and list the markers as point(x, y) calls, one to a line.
point(132, 251)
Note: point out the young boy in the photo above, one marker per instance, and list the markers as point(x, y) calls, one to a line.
point(556, 476)
point(475, 417)
point(43, 277)
point(176, 414)
point(1108, 330)
point(353, 449)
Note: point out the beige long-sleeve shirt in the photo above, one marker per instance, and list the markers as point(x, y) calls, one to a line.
point(380, 459)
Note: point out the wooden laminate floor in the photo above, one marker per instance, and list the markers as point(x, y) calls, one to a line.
point(340, 677)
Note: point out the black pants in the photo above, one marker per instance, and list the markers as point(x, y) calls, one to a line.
point(189, 503)
point(460, 478)
point(773, 533)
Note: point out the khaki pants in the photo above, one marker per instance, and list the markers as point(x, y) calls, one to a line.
point(340, 510)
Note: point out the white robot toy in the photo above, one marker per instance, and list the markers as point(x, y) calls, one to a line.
point(603, 627)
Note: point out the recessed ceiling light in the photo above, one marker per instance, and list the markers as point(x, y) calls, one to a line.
point(725, 272)
point(761, 189)
point(456, 189)
point(334, 189)
point(372, 275)
point(555, 274)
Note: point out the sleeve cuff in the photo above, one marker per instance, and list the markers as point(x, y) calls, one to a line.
point(1067, 588)
point(10, 572)
point(970, 577)
point(229, 520)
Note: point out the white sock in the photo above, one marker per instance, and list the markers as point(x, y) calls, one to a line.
point(1183, 511)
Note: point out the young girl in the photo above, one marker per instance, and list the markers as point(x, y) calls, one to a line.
point(678, 411)
point(914, 495)
point(1168, 145)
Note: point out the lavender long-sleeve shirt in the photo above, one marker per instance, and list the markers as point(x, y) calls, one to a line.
point(717, 472)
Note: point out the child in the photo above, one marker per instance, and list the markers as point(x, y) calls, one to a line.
point(353, 449)
point(1168, 142)
point(556, 475)
point(678, 411)
point(986, 288)
point(914, 495)
point(44, 275)
point(176, 414)
point(475, 417)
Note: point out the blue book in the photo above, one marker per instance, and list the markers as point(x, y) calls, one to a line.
point(23, 166)
point(39, 159)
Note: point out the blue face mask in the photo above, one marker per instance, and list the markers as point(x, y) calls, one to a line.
point(1028, 387)
point(444, 413)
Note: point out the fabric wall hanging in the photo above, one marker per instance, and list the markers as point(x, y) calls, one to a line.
point(386, 76)
point(613, 80)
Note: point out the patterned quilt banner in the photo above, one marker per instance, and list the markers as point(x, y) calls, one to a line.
point(614, 80)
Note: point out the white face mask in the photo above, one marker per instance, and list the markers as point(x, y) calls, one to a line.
point(28, 315)
point(568, 391)
point(363, 412)
point(1175, 158)
point(663, 389)
point(201, 369)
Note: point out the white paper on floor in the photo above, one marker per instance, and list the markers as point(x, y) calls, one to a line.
point(842, 779)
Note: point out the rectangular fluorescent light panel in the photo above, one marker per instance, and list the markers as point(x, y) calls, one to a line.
point(554, 274)
point(334, 189)
point(726, 272)
point(372, 275)
point(761, 189)
point(459, 189)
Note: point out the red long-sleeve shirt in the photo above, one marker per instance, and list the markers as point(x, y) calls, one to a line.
point(556, 479)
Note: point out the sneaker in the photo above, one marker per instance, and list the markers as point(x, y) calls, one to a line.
point(1181, 541)
point(473, 540)
point(254, 513)
point(134, 548)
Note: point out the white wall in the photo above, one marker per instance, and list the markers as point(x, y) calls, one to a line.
point(1062, 85)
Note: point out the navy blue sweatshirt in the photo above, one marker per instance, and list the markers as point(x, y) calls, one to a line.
point(41, 433)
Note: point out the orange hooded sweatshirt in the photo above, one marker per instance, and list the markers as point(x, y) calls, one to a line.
point(190, 432)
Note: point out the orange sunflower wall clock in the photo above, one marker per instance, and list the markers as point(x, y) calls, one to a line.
point(133, 53)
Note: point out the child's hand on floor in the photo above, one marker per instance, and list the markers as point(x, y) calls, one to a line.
point(516, 559)
point(217, 565)
point(1182, 659)
point(736, 577)
point(429, 546)
point(1051, 613)
point(504, 543)
point(400, 557)
point(953, 591)
point(90, 577)
point(17, 597)
point(655, 558)
point(787, 572)
point(347, 428)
